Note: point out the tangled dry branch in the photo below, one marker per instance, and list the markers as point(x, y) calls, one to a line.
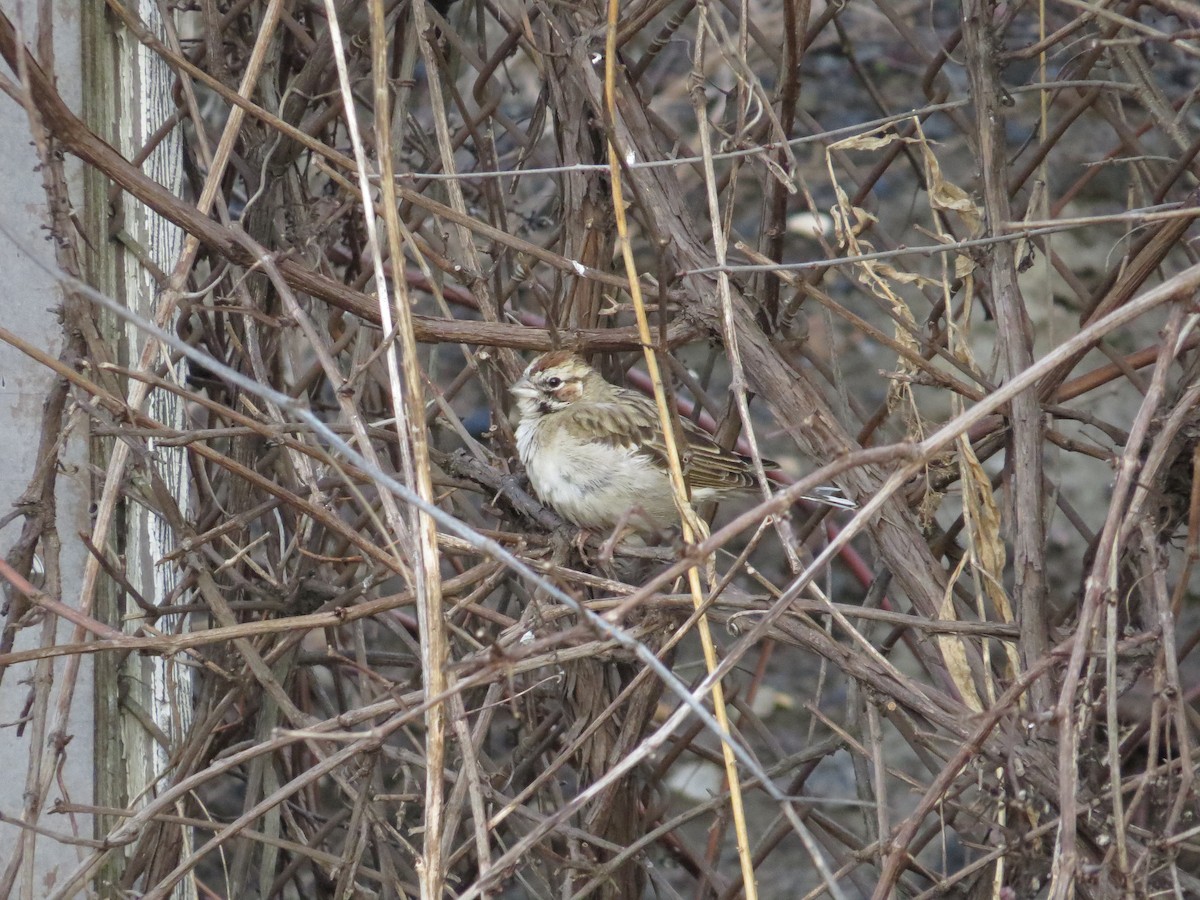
point(938, 254)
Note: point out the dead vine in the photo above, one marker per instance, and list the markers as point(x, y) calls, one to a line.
point(938, 254)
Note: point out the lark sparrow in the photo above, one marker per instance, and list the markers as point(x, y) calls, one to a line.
point(595, 454)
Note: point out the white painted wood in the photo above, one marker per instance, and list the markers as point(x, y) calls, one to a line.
point(161, 686)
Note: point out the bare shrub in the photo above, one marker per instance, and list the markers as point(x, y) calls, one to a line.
point(937, 255)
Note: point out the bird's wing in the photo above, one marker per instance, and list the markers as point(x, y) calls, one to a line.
point(622, 424)
point(709, 465)
point(632, 424)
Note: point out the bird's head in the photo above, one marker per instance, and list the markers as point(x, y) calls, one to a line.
point(554, 381)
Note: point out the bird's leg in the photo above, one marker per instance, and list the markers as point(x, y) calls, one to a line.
point(623, 529)
point(619, 531)
point(567, 537)
point(581, 539)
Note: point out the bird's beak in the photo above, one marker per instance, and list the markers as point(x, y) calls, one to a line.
point(522, 387)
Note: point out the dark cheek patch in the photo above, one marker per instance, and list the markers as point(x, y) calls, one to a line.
point(568, 392)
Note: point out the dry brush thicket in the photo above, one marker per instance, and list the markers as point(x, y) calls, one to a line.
point(938, 255)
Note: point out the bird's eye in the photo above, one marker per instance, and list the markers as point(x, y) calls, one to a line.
point(553, 382)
